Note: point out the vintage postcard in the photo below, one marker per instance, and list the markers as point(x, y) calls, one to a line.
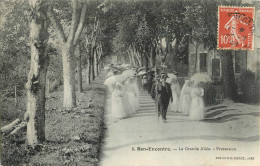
point(130, 82)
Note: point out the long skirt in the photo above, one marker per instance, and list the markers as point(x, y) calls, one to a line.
point(185, 102)
point(174, 105)
point(132, 102)
point(197, 110)
point(118, 110)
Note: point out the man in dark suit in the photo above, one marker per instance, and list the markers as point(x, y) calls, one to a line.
point(164, 94)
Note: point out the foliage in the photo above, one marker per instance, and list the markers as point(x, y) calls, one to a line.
point(248, 86)
point(201, 17)
point(14, 52)
point(213, 93)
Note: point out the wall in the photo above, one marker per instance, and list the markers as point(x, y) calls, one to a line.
point(192, 56)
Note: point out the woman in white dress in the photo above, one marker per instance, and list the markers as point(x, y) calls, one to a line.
point(185, 97)
point(110, 84)
point(197, 110)
point(119, 100)
point(131, 94)
point(175, 87)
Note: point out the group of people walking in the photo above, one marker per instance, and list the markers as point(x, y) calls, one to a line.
point(164, 89)
point(169, 96)
point(124, 93)
point(125, 99)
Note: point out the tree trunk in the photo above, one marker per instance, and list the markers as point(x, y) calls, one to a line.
point(96, 62)
point(99, 67)
point(132, 58)
point(176, 49)
point(18, 128)
point(10, 126)
point(89, 70)
point(228, 76)
point(48, 88)
point(146, 60)
point(197, 59)
point(37, 75)
point(79, 70)
point(92, 64)
point(67, 44)
point(152, 56)
point(69, 95)
point(138, 57)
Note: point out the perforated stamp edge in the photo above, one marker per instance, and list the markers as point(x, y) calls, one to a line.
point(253, 37)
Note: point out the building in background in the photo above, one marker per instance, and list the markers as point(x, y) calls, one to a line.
point(208, 61)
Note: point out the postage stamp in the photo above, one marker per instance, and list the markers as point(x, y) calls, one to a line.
point(235, 28)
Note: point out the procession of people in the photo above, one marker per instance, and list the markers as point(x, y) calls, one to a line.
point(125, 82)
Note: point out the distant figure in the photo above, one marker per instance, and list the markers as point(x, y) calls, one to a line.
point(144, 82)
point(164, 96)
point(154, 82)
point(175, 87)
point(119, 100)
point(150, 82)
point(185, 97)
point(197, 110)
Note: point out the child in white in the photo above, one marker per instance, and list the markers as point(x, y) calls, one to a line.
point(197, 110)
point(175, 87)
point(185, 97)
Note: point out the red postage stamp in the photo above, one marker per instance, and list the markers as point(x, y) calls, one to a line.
point(235, 28)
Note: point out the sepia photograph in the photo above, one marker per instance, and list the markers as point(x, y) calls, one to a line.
point(130, 82)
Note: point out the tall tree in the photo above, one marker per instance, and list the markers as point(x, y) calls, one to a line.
point(38, 70)
point(228, 76)
point(67, 46)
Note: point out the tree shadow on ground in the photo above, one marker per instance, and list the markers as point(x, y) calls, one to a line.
point(212, 114)
point(216, 107)
point(230, 117)
point(200, 137)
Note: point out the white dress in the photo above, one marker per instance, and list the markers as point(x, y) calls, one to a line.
point(185, 99)
point(131, 97)
point(119, 100)
point(110, 88)
point(137, 95)
point(174, 105)
point(197, 110)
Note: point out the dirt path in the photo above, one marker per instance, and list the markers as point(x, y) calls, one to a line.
point(130, 141)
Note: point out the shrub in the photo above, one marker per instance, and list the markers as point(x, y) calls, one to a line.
point(213, 93)
point(248, 88)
